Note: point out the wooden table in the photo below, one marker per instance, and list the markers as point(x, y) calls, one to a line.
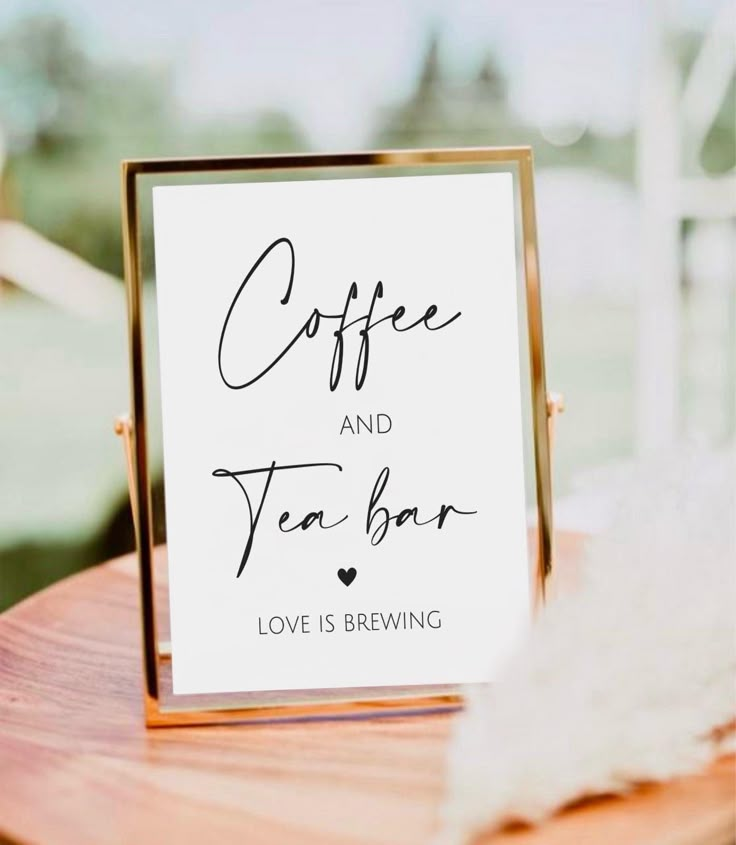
point(77, 765)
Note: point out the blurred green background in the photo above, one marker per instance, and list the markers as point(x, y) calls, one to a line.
point(601, 91)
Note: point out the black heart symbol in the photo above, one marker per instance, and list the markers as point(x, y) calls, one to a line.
point(347, 576)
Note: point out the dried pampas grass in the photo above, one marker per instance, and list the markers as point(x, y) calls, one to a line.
point(626, 680)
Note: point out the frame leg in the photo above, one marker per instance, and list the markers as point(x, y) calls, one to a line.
point(124, 429)
point(555, 407)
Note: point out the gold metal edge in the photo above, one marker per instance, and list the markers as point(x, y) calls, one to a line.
point(142, 502)
point(294, 161)
point(538, 376)
point(158, 717)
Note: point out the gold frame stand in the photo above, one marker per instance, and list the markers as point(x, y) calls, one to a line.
point(132, 427)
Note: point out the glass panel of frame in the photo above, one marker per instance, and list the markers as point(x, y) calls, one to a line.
point(148, 491)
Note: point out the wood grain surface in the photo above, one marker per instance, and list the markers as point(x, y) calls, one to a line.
point(77, 766)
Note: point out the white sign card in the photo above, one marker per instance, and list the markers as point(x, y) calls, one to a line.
point(342, 431)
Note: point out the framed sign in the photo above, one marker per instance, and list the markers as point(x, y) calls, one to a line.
point(343, 382)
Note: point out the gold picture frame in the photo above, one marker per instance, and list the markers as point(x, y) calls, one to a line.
point(264, 707)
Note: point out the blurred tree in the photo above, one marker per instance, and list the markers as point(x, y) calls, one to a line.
point(442, 111)
point(69, 120)
point(276, 131)
point(45, 79)
point(268, 131)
